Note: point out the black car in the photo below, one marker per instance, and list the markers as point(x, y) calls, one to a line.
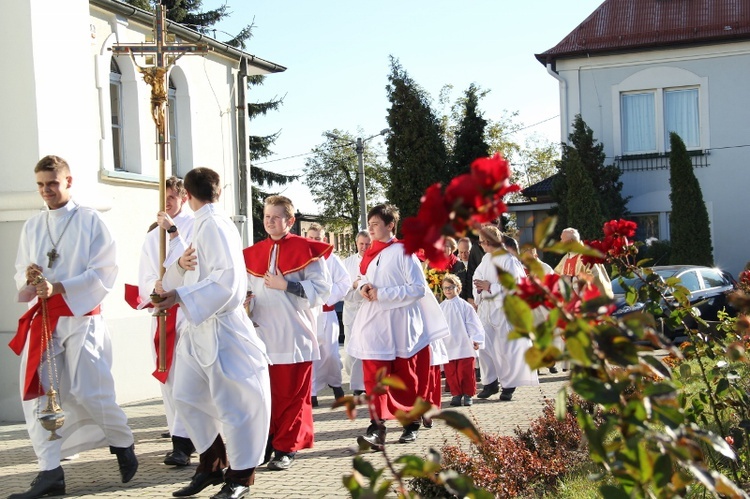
point(708, 287)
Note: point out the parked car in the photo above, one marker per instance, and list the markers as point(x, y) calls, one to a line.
point(708, 289)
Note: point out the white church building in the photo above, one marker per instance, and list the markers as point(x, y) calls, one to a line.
point(63, 93)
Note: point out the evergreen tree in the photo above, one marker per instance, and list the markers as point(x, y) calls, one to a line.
point(332, 174)
point(606, 178)
point(470, 140)
point(188, 13)
point(583, 210)
point(416, 151)
point(690, 227)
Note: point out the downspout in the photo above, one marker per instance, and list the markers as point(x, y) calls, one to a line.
point(242, 146)
point(564, 121)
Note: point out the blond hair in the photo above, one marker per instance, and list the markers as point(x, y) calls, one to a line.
point(453, 279)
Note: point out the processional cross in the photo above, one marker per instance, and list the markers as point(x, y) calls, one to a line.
point(161, 55)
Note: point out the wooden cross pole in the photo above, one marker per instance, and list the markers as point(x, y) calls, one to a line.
point(161, 54)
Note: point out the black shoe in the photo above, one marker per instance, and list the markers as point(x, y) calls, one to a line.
point(45, 484)
point(126, 460)
point(166, 434)
point(489, 390)
point(427, 422)
point(231, 491)
point(507, 394)
point(314, 401)
point(177, 458)
point(410, 433)
point(553, 370)
point(199, 482)
point(456, 401)
point(281, 461)
point(338, 392)
point(466, 400)
point(357, 393)
point(374, 438)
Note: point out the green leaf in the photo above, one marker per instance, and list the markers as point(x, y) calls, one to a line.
point(684, 370)
point(663, 470)
point(561, 403)
point(613, 492)
point(596, 391)
point(543, 231)
point(518, 313)
point(363, 467)
point(461, 423)
point(507, 279)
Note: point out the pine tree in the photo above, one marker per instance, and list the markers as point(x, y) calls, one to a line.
point(188, 12)
point(583, 210)
point(470, 142)
point(690, 227)
point(606, 178)
point(416, 151)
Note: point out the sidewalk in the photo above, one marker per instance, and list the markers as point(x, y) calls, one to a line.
point(316, 473)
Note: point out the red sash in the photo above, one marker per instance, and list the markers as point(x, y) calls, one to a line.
point(31, 322)
point(171, 324)
point(294, 253)
point(329, 308)
point(133, 298)
point(374, 250)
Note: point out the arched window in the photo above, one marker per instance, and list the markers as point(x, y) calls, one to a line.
point(115, 100)
point(172, 124)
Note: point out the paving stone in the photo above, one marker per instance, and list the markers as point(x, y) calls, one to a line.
point(316, 473)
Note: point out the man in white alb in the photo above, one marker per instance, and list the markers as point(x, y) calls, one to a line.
point(66, 264)
point(352, 301)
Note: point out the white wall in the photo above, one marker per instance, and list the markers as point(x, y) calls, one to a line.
point(722, 71)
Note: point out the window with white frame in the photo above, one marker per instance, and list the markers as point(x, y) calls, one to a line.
point(646, 114)
point(115, 100)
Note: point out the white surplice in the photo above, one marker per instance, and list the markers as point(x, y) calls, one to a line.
point(327, 369)
point(501, 359)
point(148, 274)
point(465, 328)
point(287, 323)
point(221, 371)
point(352, 301)
point(406, 316)
point(86, 267)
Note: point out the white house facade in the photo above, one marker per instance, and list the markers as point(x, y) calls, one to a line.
point(64, 93)
point(636, 70)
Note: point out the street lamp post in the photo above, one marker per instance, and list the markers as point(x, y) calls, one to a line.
point(359, 148)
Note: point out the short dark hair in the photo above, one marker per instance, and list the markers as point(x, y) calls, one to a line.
point(52, 164)
point(203, 184)
point(386, 212)
point(510, 243)
point(177, 184)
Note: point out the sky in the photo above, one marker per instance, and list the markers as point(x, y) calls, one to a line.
point(337, 58)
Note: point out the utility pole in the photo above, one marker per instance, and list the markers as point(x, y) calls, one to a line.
point(359, 148)
point(161, 54)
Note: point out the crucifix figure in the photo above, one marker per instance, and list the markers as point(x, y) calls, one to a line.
point(161, 55)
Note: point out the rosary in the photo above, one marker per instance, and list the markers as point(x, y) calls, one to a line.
point(52, 254)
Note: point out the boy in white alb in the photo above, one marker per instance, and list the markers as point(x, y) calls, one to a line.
point(327, 370)
point(221, 373)
point(178, 224)
point(395, 325)
point(466, 337)
point(289, 281)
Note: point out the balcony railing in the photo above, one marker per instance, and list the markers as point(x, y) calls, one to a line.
point(657, 161)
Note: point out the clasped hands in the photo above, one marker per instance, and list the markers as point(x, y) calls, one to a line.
point(369, 292)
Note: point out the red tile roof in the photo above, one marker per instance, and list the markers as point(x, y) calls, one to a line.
point(629, 25)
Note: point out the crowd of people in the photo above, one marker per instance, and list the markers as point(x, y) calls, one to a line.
point(251, 335)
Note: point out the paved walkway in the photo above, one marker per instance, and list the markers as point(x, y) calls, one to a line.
point(316, 473)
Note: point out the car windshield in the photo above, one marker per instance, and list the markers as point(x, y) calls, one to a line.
point(637, 282)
